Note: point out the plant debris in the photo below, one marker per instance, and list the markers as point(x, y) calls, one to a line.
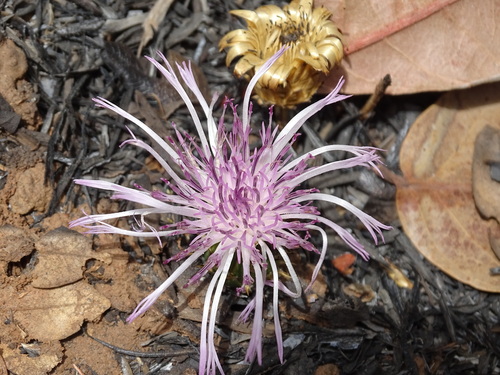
point(57, 284)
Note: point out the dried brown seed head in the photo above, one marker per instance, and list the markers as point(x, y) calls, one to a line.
point(315, 47)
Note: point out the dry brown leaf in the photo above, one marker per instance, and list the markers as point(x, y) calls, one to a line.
point(175, 59)
point(153, 20)
point(53, 314)
point(485, 189)
point(344, 263)
point(435, 203)
point(396, 275)
point(362, 291)
point(62, 256)
point(425, 45)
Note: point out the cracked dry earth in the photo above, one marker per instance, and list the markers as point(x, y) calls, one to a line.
point(54, 281)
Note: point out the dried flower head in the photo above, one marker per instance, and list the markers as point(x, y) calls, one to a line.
point(242, 202)
point(314, 42)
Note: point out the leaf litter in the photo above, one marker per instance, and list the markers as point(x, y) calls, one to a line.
point(59, 289)
point(443, 162)
point(425, 45)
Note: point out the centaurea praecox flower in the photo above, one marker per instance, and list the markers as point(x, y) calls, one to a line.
point(242, 202)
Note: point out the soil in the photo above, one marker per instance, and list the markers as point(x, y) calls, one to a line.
point(65, 296)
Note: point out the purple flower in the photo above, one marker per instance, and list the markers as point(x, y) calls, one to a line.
point(242, 202)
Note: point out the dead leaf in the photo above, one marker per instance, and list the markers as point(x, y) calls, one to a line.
point(425, 45)
point(486, 190)
point(175, 58)
point(362, 291)
point(153, 20)
point(343, 263)
point(435, 203)
point(62, 254)
point(486, 152)
point(398, 276)
point(54, 314)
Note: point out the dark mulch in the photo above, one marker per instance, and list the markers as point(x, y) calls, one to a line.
point(80, 49)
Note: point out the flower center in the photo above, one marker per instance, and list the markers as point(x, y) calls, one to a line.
point(240, 201)
point(289, 34)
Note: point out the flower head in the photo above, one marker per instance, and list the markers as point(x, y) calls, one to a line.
point(243, 202)
point(315, 47)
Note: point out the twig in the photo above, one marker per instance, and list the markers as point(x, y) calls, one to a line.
point(374, 98)
point(78, 370)
point(133, 353)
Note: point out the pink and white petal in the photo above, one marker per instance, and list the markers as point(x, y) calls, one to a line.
point(362, 160)
point(147, 302)
point(136, 196)
point(248, 93)
point(107, 104)
point(293, 274)
point(372, 225)
point(255, 345)
point(174, 81)
point(209, 361)
point(324, 247)
point(180, 183)
point(290, 129)
point(343, 233)
point(89, 219)
point(358, 151)
point(276, 315)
